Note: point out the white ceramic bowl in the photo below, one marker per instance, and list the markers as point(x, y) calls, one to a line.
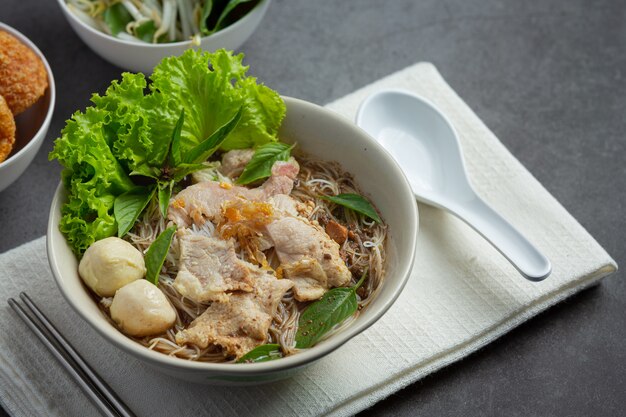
point(32, 124)
point(136, 56)
point(323, 134)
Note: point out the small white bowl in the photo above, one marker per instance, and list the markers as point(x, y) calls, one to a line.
point(137, 56)
point(320, 133)
point(32, 124)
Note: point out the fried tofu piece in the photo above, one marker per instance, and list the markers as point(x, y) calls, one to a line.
point(7, 129)
point(23, 77)
point(337, 232)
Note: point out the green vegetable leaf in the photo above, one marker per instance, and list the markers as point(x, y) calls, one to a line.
point(146, 171)
point(211, 87)
point(260, 166)
point(128, 132)
point(138, 127)
point(264, 111)
point(117, 17)
point(155, 256)
point(146, 31)
point(227, 16)
point(206, 11)
point(206, 148)
point(174, 156)
point(128, 207)
point(321, 316)
point(262, 353)
point(93, 178)
point(164, 193)
point(182, 170)
point(356, 203)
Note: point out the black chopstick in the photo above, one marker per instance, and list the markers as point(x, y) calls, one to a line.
point(87, 379)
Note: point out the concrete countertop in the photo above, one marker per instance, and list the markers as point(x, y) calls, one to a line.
point(548, 77)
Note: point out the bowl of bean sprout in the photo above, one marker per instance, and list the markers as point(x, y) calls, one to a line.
point(136, 34)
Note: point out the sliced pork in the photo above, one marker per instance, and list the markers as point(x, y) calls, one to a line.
point(203, 201)
point(310, 280)
point(305, 251)
point(209, 267)
point(233, 162)
point(284, 204)
point(241, 323)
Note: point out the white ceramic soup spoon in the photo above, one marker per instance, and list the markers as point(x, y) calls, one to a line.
point(426, 146)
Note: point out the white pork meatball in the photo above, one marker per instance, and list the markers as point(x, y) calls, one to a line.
point(109, 264)
point(141, 309)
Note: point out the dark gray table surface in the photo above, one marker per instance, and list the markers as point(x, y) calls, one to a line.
point(548, 77)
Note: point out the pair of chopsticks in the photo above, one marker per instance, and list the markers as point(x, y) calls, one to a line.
point(87, 379)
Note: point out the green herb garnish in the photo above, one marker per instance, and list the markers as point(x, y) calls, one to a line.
point(260, 166)
point(262, 353)
point(164, 189)
point(321, 316)
point(128, 207)
point(206, 148)
point(355, 202)
point(155, 256)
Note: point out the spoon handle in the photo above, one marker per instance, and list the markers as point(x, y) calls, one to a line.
point(524, 256)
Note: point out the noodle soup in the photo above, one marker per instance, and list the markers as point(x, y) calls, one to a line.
point(200, 236)
point(362, 250)
point(321, 135)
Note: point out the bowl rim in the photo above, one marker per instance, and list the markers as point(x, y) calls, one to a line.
point(290, 362)
point(38, 136)
point(259, 8)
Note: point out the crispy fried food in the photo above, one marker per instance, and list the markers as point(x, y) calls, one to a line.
point(23, 77)
point(7, 129)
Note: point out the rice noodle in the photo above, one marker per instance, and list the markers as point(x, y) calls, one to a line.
point(365, 249)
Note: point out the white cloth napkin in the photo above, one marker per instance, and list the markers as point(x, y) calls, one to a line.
point(462, 295)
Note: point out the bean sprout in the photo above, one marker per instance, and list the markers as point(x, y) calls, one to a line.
point(174, 20)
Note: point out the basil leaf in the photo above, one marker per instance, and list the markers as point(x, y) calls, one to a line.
point(321, 316)
point(206, 148)
point(260, 166)
point(262, 353)
point(206, 11)
point(128, 206)
point(165, 192)
point(155, 256)
point(356, 203)
point(182, 170)
point(146, 171)
point(174, 146)
point(116, 18)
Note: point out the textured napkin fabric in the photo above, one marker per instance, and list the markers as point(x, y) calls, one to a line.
point(462, 294)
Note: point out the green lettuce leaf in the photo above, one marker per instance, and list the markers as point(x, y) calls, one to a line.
point(211, 87)
point(139, 127)
point(92, 176)
point(129, 131)
point(264, 111)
